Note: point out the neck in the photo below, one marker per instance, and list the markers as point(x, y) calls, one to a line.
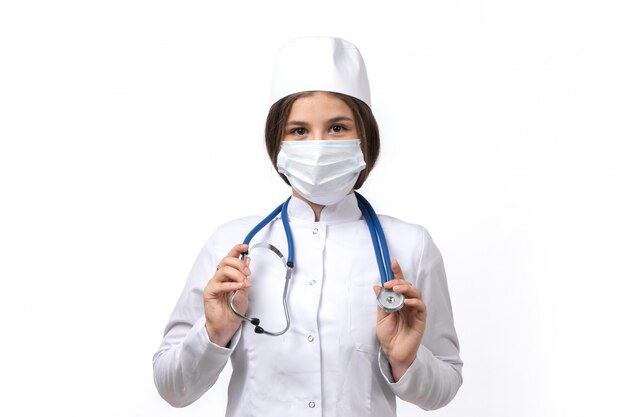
point(317, 208)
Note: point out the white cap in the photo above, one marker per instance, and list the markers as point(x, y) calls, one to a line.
point(320, 64)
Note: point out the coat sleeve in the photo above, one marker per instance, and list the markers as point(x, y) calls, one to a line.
point(434, 378)
point(187, 363)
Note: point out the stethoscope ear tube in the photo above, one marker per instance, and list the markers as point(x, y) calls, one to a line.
point(253, 320)
point(288, 264)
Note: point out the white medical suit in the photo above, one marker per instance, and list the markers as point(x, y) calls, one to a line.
point(329, 362)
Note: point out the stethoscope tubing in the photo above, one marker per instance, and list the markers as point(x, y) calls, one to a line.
point(379, 243)
point(378, 236)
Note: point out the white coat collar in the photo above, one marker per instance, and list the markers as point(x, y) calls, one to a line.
point(346, 210)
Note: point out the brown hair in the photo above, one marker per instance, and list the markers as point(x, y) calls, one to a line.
point(366, 127)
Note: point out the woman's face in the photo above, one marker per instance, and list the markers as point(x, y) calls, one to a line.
point(320, 116)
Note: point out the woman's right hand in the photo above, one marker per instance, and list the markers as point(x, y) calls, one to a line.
point(231, 274)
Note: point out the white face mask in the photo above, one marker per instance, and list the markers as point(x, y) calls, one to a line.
point(322, 171)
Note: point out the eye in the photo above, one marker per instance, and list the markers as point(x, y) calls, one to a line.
point(337, 129)
point(298, 131)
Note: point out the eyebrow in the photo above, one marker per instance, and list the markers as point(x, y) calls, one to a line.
point(296, 122)
point(333, 120)
point(341, 119)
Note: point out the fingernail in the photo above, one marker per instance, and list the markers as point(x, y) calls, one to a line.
point(246, 270)
point(388, 284)
point(246, 282)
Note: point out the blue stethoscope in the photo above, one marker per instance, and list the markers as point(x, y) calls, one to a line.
point(387, 299)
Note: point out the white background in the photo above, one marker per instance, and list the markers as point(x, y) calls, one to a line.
point(130, 129)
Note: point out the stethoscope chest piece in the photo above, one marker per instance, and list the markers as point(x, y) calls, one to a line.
point(390, 301)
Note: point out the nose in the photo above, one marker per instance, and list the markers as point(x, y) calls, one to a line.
point(319, 134)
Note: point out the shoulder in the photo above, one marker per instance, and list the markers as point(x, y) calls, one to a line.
point(243, 224)
point(226, 235)
point(411, 238)
point(411, 231)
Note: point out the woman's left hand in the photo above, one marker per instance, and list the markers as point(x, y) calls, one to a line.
point(400, 333)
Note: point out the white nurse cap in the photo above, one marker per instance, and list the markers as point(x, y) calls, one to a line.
point(320, 64)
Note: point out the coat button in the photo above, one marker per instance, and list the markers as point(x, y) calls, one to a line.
point(312, 282)
point(311, 404)
point(310, 338)
point(315, 231)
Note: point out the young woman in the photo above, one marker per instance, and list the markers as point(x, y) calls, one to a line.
point(326, 347)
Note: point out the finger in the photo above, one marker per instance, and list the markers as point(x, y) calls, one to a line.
point(419, 306)
point(407, 290)
point(223, 287)
point(237, 250)
point(397, 271)
point(394, 282)
point(228, 273)
point(416, 303)
point(236, 263)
